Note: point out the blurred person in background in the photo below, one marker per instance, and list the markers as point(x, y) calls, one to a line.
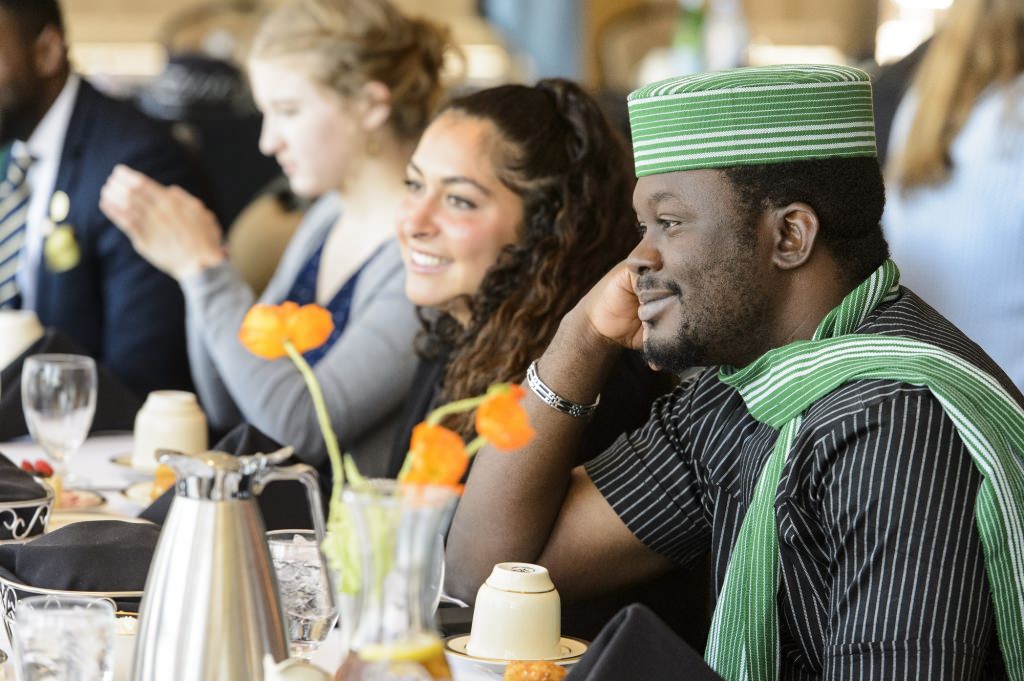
point(544, 34)
point(954, 213)
point(345, 87)
point(59, 255)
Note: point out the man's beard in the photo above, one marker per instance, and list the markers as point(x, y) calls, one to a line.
point(16, 123)
point(711, 338)
point(724, 320)
point(6, 136)
point(675, 356)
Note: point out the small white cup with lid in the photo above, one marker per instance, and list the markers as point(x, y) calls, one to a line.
point(517, 615)
point(169, 419)
point(19, 329)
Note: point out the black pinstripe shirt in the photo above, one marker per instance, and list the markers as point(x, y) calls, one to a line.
point(881, 569)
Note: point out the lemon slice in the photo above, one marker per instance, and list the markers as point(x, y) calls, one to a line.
point(419, 648)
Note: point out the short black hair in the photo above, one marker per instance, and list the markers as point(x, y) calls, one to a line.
point(34, 15)
point(848, 195)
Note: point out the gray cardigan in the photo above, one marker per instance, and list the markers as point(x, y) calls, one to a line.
point(365, 376)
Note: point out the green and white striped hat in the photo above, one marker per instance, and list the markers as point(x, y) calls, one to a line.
point(768, 114)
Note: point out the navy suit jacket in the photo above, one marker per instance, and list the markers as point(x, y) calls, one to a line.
point(120, 309)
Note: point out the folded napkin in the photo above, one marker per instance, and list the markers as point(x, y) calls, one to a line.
point(116, 404)
point(283, 503)
point(95, 555)
point(16, 484)
point(635, 644)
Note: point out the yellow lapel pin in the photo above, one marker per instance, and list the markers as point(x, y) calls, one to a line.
point(60, 249)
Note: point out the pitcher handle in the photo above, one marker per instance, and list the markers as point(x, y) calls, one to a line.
point(307, 475)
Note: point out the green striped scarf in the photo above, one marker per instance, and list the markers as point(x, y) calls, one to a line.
point(777, 389)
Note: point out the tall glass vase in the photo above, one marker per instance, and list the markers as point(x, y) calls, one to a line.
point(398, 529)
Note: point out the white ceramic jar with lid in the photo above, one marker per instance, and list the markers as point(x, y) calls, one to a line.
point(170, 419)
point(19, 329)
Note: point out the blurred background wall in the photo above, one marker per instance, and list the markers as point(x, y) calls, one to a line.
point(183, 60)
point(122, 38)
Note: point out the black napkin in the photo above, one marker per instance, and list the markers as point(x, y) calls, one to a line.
point(16, 484)
point(635, 644)
point(94, 555)
point(116, 404)
point(283, 503)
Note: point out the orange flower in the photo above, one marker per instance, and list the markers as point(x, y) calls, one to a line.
point(266, 328)
point(502, 421)
point(437, 456)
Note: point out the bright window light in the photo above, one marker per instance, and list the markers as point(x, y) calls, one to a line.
point(131, 60)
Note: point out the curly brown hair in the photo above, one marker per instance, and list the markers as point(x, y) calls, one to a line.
point(561, 156)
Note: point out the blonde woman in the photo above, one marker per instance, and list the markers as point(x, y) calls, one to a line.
point(955, 203)
point(345, 87)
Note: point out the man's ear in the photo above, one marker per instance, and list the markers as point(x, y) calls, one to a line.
point(49, 52)
point(374, 105)
point(795, 231)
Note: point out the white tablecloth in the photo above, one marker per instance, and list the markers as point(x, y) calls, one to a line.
point(94, 467)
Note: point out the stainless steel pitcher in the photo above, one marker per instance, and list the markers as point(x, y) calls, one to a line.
point(210, 610)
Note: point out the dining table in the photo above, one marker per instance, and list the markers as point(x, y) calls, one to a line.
point(114, 489)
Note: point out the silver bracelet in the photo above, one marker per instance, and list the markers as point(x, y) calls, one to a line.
point(554, 400)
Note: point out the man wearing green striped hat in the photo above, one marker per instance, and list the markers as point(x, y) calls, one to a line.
point(852, 460)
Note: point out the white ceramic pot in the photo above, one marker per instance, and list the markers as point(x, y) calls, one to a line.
point(19, 329)
point(170, 419)
point(517, 615)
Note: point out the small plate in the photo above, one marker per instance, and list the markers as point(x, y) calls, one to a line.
point(78, 499)
point(139, 493)
point(466, 666)
point(125, 461)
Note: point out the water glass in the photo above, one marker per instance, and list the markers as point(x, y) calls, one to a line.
point(305, 588)
point(59, 638)
point(58, 394)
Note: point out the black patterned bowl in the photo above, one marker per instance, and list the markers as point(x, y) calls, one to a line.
point(21, 520)
point(12, 591)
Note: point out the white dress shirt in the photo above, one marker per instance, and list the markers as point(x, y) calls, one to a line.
point(46, 146)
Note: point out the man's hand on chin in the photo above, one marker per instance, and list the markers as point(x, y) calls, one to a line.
point(610, 309)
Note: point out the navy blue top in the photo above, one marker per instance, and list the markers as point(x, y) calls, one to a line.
point(303, 292)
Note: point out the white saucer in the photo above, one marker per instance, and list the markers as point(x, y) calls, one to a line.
point(466, 666)
point(139, 493)
point(125, 461)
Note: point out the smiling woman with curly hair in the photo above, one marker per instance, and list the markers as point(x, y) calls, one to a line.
point(518, 201)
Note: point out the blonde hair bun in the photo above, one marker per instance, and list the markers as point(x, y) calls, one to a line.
point(348, 43)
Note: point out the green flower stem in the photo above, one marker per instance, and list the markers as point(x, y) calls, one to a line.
point(330, 439)
point(476, 445)
point(455, 407)
point(406, 465)
point(355, 478)
point(341, 545)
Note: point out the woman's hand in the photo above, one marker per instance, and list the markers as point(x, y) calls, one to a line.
point(169, 227)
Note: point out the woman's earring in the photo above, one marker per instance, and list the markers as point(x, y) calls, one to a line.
point(372, 145)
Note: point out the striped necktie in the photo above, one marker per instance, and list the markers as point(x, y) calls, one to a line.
point(14, 198)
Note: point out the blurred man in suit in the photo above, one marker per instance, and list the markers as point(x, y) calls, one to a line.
point(59, 255)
